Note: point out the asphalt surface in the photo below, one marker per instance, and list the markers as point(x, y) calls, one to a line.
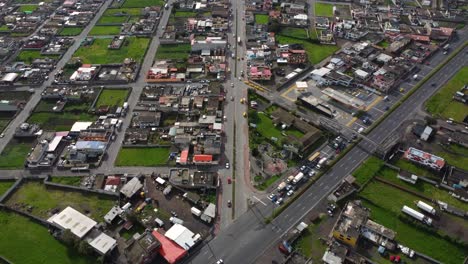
point(248, 237)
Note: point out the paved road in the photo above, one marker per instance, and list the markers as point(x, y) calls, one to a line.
point(248, 237)
point(36, 97)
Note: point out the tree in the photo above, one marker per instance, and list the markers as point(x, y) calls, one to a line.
point(84, 248)
point(274, 26)
point(430, 120)
point(255, 152)
point(68, 237)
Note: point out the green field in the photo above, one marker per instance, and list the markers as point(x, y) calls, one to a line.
point(267, 128)
point(104, 30)
point(28, 8)
point(143, 3)
point(27, 56)
point(323, 10)
point(133, 157)
point(98, 53)
point(174, 52)
point(112, 20)
point(43, 200)
point(14, 155)
point(112, 97)
point(268, 182)
point(123, 11)
point(187, 14)
point(261, 19)
point(441, 104)
point(21, 235)
point(454, 159)
point(71, 31)
point(299, 33)
point(309, 243)
point(383, 44)
point(415, 169)
point(4, 28)
point(5, 185)
point(315, 52)
point(367, 170)
point(73, 181)
point(58, 121)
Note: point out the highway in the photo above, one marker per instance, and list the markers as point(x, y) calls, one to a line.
point(249, 237)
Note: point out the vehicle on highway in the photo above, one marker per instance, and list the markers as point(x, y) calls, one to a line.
point(273, 197)
point(229, 204)
point(386, 108)
point(220, 261)
point(279, 201)
point(227, 165)
point(225, 118)
point(2, 135)
point(232, 98)
point(242, 100)
point(433, 84)
point(232, 84)
point(244, 114)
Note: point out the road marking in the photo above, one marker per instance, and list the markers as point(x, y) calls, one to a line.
point(303, 207)
point(374, 103)
point(310, 194)
point(326, 186)
point(341, 165)
point(351, 122)
point(259, 200)
point(320, 185)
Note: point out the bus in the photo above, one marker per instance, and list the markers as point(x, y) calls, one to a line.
point(314, 156)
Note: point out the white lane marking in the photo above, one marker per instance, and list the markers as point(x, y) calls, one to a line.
point(320, 185)
point(259, 200)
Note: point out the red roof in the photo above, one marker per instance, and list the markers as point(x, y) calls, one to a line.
point(202, 158)
point(113, 180)
point(184, 156)
point(168, 249)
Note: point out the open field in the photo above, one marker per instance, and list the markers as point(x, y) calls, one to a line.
point(142, 157)
point(123, 12)
point(27, 56)
point(323, 9)
point(454, 159)
point(71, 31)
point(98, 53)
point(44, 200)
point(299, 33)
point(261, 19)
point(112, 20)
point(4, 28)
point(175, 52)
point(267, 128)
point(441, 104)
point(73, 181)
point(309, 243)
point(58, 121)
point(28, 8)
point(26, 242)
point(414, 168)
point(104, 30)
point(187, 14)
point(367, 170)
point(5, 185)
point(14, 155)
point(142, 3)
point(112, 97)
point(315, 52)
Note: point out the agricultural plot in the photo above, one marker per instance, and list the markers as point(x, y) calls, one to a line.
point(27, 56)
point(14, 154)
point(71, 31)
point(174, 52)
point(43, 200)
point(315, 52)
point(123, 12)
point(112, 97)
point(28, 8)
point(142, 3)
point(299, 33)
point(112, 20)
point(261, 19)
point(50, 121)
point(186, 14)
point(323, 9)
point(98, 52)
point(134, 157)
point(104, 30)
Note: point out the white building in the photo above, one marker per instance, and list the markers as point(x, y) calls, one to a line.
point(182, 236)
point(78, 223)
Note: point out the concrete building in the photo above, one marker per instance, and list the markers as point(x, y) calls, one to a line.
point(424, 158)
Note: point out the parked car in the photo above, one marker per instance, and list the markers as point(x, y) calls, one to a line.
point(229, 204)
point(273, 197)
point(227, 165)
point(290, 192)
point(279, 201)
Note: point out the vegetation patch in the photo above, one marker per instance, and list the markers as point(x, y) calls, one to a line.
point(28, 8)
point(323, 10)
point(415, 169)
point(5, 185)
point(142, 3)
point(261, 19)
point(459, 161)
point(112, 97)
point(112, 20)
point(299, 33)
point(14, 154)
point(104, 30)
point(186, 14)
point(43, 200)
point(27, 242)
point(98, 53)
point(59, 121)
point(143, 157)
point(70, 31)
point(27, 56)
point(442, 103)
point(367, 170)
point(73, 181)
point(268, 182)
point(310, 244)
point(315, 52)
point(174, 52)
point(123, 11)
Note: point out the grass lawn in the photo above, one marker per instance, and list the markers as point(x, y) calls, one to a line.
point(323, 9)
point(28, 8)
point(27, 56)
point(416, 169)
point(383, 44)
point(123, 11)
point(73, 181)
point(58, 121)
point(175, 52)
point(112, 97)
point(134, 157)
point(44, 200)
point(104, 30)
point(14, 155)
point(71, 31)
point(21, 235)
point(315, 52)
point(261, 19)
point(112, 20)
point(267, 128)
point(185, 14)
point(4, 28)
point(299, 33)
point(309, 243)
point(143, 3)
point(3, 124)
point(268, 182)
point(136, 228)
point(98, 53)
point(5, 185)
point(418, 240)
point(442, 104)
point(367, 170)
point(455, 160)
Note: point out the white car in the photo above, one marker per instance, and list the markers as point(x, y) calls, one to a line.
point(232, 84)
point(2, 135)
point(227, 165)
point(290, 193)
point(279, 201)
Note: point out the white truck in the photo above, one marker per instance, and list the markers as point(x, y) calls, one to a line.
point(298, 178)
point(281, 186)
point(321, 163)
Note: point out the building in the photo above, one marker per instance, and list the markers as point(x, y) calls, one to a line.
point(424, 158)
point(143, 249)
point(169, 250)
point(78, 223)
point(146, 119)
point(181, 235)
point(102, 243)
point(348, 226)
point(78, 127)
point(131, 188)
point(112, 214)
point(91, 148)
point(202, 159)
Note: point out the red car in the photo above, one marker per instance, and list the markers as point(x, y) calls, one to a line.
point(229, 181)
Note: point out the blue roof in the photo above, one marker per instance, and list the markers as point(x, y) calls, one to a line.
point(91, 145)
